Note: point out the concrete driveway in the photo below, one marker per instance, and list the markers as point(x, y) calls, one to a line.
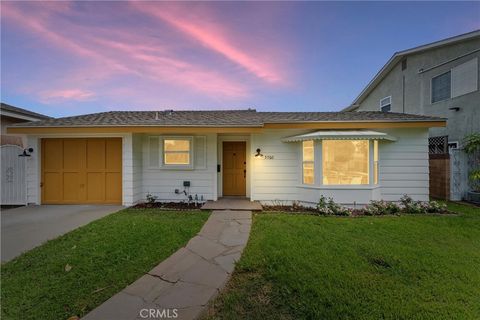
point(25, 228)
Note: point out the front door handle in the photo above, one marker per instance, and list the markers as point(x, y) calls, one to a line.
point(244, 173)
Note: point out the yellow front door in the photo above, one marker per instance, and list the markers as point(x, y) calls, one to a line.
point(84, 170)
point(234, 168)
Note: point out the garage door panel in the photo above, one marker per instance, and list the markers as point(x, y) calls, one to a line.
point(73, 150)
point(113, 156)
point(71, 183)
point(95, 154)
point(53, 154)
point(113, 190)
point(52, 186)
point(95, 187)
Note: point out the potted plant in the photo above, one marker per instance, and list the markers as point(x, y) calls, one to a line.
point(472, 149)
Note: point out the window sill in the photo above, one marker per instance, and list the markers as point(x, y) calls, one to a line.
point(172, 167)
point(340, 187)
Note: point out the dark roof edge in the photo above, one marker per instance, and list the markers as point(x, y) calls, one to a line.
point(10, 108)
point(427, 119)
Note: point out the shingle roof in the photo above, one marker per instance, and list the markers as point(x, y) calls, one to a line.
point(26, 112)
point(220, 118)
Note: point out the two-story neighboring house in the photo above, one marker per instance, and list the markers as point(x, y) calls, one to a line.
point(437, 79)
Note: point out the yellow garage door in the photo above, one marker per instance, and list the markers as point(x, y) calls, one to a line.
point(87, 170)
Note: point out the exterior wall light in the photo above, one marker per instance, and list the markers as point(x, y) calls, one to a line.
point(258, 153)
point(26, 152)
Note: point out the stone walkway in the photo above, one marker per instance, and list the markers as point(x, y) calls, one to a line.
point(188, 279)
point(233, 203)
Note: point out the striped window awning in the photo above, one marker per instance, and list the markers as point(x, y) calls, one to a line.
point(341, 135)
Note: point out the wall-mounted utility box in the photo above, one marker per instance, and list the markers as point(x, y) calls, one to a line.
point(186, 183)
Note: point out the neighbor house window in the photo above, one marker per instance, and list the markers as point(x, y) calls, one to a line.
point(386, 104)
point(441, 87)
point(345, 162)
point(308, 162)
point(177, 151)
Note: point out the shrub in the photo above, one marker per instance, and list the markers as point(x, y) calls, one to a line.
point(326, 206)
point(151, 198)
point(474, 177)
point(376, 208)
point(329, 207)
point(471, 146)
point(411, 206)
point(437, 207)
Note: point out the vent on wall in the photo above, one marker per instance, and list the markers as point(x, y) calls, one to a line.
point(404, 64)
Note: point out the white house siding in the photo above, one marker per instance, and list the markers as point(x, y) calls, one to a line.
point(403, 169)
point(403, 165)
point(127, 170)
point(137, 168)
point(33, 171)
point(276, 179)
point(347, 196)
point(162, 182)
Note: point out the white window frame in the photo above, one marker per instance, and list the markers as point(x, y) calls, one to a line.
point(309, 161)
point(190, 165)
point(384, 105)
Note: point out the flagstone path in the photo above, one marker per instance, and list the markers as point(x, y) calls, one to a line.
point(185, 282)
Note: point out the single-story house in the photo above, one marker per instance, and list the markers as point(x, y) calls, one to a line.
point(123, 156)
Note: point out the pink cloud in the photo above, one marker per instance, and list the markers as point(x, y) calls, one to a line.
point(169, 68)
point(67, 94)
point(213, 37)
point(116, 52)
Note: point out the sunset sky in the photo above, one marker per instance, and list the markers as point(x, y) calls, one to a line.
point(65, 58)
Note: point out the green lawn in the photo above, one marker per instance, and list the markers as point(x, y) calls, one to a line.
point(104, 256)
point(310, 267)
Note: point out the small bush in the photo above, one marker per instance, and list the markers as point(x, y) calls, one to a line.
point(329, 207)
point(437, 207)
point(377, 208)
point(411, 206)
point(151, 198)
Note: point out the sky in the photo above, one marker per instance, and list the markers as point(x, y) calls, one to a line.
point(67, 58)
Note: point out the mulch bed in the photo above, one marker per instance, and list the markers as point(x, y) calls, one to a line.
point(298, 209)
point(169, 205)
point(293, 209)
